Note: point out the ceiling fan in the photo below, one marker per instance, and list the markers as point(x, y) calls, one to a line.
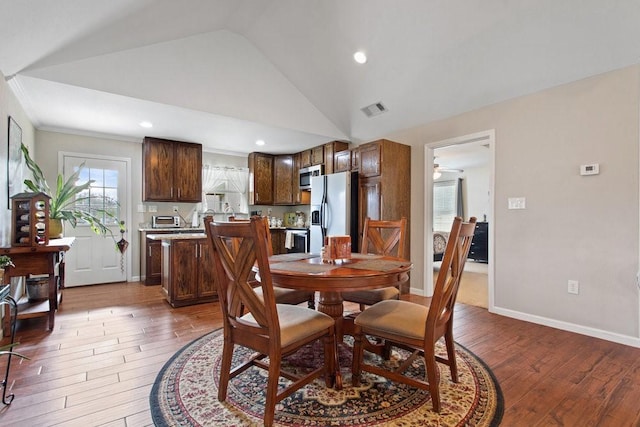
point(437, 170)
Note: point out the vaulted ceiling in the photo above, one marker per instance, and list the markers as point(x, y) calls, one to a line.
point(228, 72)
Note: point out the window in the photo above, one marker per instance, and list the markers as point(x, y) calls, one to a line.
point(101, 199)
point(445, 206)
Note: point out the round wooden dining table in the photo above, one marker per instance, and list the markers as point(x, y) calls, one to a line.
point(361, 271)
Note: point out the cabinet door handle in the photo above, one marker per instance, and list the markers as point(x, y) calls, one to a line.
point(171, 192)
point(178, 192)
point(149, 251)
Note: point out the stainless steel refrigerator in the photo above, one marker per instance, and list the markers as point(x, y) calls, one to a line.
point(334, 208)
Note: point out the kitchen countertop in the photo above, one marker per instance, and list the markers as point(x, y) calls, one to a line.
point(176, 236)
point(171, 230)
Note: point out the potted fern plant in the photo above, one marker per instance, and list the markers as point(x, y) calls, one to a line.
point(64, 200)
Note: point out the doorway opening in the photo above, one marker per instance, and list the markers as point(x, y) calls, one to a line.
point(462, 169)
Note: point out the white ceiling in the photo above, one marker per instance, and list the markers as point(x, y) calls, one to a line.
point(228, 72)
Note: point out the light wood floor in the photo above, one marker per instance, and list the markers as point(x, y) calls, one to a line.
point(98, 364)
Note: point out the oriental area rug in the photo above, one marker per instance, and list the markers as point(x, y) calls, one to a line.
point(185, 393)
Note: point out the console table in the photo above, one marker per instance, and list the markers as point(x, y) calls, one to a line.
point(38, 260)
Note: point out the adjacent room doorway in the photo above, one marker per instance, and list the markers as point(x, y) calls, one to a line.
point(94, 259)
point(486, 140)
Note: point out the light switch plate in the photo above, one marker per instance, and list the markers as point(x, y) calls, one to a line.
point(141, 208)
point(517, 202)
point(153, 208)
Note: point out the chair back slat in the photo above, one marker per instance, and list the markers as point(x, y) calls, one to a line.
point(384, 237)
point(239, 246)
point(448, 280)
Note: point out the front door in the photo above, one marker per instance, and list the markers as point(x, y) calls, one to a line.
point(94, 259)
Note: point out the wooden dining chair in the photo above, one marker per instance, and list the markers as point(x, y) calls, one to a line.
point(413, 326)
point(382, 238)
point(272, 330)
point(283, 295)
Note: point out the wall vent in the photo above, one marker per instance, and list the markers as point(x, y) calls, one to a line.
point(374, 109)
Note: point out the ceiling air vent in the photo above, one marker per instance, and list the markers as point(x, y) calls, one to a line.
point(374, 109)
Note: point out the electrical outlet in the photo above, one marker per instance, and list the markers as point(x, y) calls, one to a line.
point(153, 208)
point(573, 287)
point(141, 209)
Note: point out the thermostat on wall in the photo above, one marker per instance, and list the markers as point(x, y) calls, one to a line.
point(592, 169)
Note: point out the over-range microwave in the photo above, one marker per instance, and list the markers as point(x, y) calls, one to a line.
point(306, 174)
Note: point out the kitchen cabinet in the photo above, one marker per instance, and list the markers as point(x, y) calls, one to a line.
point(171, 171)
point(154, 262)
point(187, 271)
point(305, 158)
point(283, 178)
point(330, 149)
point(278, 240)
point(342, 161)
point(260, 179)
point(317, 155)
point(297, 195)
point(385, 183)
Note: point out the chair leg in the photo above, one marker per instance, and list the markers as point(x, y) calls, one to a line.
point(272, 390)
point(357, 356)
point(312, 302)
point(225, 368)
point(451, 354)
point(433, 376)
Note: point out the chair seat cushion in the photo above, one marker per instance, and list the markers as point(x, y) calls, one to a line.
point(372, 296)
point(395, 317)
point(297, 323)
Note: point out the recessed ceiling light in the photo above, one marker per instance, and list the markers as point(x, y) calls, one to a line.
point(260, 142)
point(146, 124)
point(360, 57)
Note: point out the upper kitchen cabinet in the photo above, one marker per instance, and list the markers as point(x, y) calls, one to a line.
point(171, 171)
point(330, 149)
point(283, 178)
point(260, 179)
point(305, 158)
point(317, 155)
point(385, 182)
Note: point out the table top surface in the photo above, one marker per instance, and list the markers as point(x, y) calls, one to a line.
point(55, 245)
point(361, 271)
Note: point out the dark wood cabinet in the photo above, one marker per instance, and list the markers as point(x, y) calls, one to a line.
point(479, 250)
point(342, 161)
point(171, 171)
point(187, 276)
point(305, 158)
point(260, 179)
point(154, 262)
point(385, 183)
point(370, 159)
point(278, 241)
point(283, 174)
point(330, 149)
point(317, 155)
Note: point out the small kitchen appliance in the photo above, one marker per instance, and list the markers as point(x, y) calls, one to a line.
point(165, 221)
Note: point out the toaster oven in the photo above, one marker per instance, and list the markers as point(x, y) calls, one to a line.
point(165, 221)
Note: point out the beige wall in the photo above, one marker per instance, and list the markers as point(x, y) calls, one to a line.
point(9, 106)
point(574, 227)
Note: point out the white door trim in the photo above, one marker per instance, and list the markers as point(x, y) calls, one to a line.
point(484, 137)
point(127, 196)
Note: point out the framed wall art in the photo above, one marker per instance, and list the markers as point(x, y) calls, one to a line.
point(15, 162)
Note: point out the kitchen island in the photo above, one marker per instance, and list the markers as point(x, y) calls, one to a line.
point(187, 268)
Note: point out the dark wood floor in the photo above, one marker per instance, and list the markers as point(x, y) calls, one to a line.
point(98, 364)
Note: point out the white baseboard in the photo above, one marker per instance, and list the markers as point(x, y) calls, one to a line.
point(571, 327)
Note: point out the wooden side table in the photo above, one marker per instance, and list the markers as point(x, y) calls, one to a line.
point(38, 260)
